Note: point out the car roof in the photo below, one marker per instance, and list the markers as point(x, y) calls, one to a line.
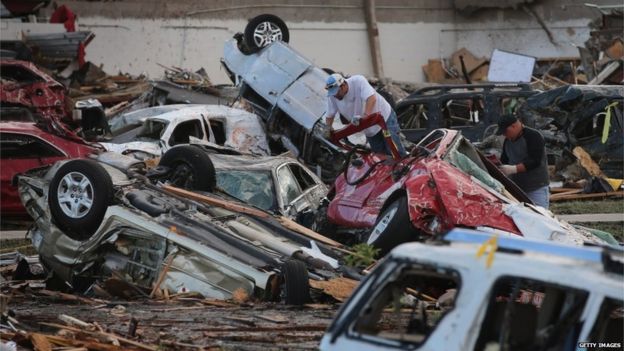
point(25, 127)
point(468, 90)
point(461, 245)
point(188, 112)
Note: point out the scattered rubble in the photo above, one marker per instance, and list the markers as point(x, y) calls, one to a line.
point(187, 232)
point(599, 62)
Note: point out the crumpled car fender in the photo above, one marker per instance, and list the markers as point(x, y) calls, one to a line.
point(442, 197)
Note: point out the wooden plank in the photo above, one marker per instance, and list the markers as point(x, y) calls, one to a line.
point(286, 222)
point(216, 202)
point(292, 225)
point(587, 163)
point(561, 190)
point(471, 61)
point(104, 334)
point(570, 192)
point(162, 275)
point(590, 196)
point(40, 342)
point(481, 73)
point(434, 71)
point(605, 73)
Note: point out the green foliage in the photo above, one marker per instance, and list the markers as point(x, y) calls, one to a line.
point(362, 256)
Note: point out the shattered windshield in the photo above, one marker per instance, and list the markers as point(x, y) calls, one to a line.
point(152, 129)
point(126, 121)
point(255, 188)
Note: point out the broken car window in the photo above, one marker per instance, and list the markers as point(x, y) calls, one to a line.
point(462, 112)
point(289, 190)
point(303, 178)
point(184, 130)
point(414, 117)
point(405, 309)
point(152, 130)
point(130, 120)
point(14, 73)
point(255, 188)
point(526, 314)
point(609, 327)
point(15, 146)
point(218, 132)
point(510, 105)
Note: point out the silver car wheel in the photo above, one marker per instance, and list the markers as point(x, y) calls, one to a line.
point(266, 33)
point(382, 225)
point(75, 195)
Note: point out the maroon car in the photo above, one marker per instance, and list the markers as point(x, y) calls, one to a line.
point(23, 84)
point(444, 183)
point(24, 146)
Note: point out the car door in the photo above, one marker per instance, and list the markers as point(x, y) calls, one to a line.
point(312, 187)
point(21, 152)
point(291, 198)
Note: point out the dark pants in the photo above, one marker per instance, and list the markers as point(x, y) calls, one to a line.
point(378, 142)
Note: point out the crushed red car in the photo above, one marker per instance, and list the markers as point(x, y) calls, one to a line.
point(23, 84)
point(25, 145)
point(444, 183)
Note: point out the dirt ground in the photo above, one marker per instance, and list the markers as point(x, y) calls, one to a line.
point(194, 324)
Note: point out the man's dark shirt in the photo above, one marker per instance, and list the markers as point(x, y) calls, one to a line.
point(527, 149)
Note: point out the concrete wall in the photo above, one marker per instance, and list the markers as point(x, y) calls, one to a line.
point(135, 36)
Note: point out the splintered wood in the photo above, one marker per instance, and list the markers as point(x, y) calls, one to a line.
point(181, 323)
point(338, 288)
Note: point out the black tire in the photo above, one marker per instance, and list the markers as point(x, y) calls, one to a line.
point(296, 283)
point(81, 225)
point(190, 168)
point(398, 228)
point(254, 42)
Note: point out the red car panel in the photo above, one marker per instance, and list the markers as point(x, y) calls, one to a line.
point(26, 146)
point(455, 199)
point(25, 85)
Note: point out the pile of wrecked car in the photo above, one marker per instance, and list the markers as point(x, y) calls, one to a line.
point(226, 202)
point(110, 218)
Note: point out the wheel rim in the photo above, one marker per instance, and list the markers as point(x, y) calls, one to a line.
point(266, 33)
point(75, 195)
point(382, 225)
point(182, 176)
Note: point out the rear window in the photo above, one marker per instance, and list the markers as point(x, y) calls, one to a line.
point(528, 314)
point(255, 188)
point(20, 146)
point(18, 74)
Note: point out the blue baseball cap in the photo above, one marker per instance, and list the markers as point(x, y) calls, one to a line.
point(333, 83)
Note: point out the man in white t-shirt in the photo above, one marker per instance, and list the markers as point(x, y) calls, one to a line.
point(355, 98)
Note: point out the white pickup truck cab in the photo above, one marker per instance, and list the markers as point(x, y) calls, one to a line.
point(475, 291)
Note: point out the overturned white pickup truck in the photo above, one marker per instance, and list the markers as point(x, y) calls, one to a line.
point(150, 132)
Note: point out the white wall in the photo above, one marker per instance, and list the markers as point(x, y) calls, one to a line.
point(136, 45)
